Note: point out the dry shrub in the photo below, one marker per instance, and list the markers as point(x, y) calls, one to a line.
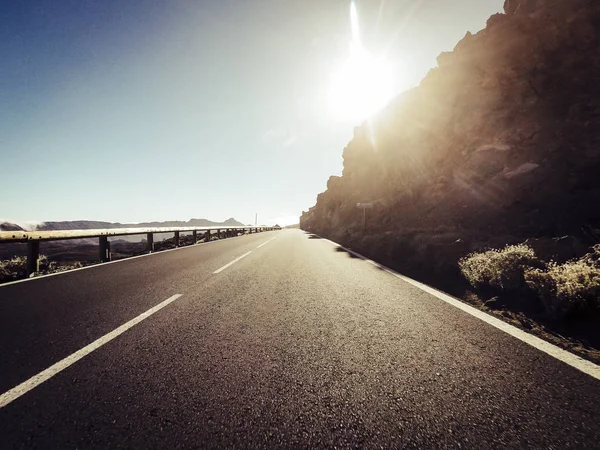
point(13, 269)
point(47, 266)
point(16, 268)
point(502, 269)
point(570, 288)
point(593, 258)
point(563, 289)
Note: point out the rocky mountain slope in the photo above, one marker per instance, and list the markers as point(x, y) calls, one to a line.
point(499, 143)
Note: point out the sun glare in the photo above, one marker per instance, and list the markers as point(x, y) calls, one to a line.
point(362, 84)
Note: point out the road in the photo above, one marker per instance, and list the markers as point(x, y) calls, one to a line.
point(297, 344)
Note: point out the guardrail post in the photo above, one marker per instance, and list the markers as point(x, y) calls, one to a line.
point(150, 241)
point(104, 249)
point(33, 257)
point(218, 234)
point(195, 236)
point(207, 236)
point(176, 238)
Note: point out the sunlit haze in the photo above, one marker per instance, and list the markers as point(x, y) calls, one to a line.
point(362, 84)
point(139, 111)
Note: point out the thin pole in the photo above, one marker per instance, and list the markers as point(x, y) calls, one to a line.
point(364, 219)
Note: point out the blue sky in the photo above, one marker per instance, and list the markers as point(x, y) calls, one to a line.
point(146, 110)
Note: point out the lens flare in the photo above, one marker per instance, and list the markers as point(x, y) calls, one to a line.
point(354, 22)
point(362, 83)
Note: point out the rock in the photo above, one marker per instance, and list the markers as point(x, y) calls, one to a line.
point(492, 302)
point(7, 226)
point(463, 43)
point(494, 147)
point(502, 139)
point(521, 170)
point(495, 20)
point(444, 58)
point(510, 7)
point(333, 182)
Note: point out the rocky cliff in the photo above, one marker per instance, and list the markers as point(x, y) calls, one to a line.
point(499, 143)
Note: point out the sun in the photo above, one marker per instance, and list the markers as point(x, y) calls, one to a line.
point(362, 84)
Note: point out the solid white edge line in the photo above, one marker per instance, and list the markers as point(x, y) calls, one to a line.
point(93, 266)
point(569, 358)
point(36, 380)
point(265, 243)
point(232, 262)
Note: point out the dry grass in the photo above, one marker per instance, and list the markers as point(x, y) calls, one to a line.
point(502, 269)
point(563, 289)
point(568, 289)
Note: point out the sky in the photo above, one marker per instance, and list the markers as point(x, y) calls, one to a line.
point(148, 110)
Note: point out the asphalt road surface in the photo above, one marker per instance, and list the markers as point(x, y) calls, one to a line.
point(296, 344)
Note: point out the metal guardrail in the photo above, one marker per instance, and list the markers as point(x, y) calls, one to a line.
point(33, 238)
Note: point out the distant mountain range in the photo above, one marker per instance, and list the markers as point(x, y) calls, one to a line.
point(86, 249)
point(93, 224)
